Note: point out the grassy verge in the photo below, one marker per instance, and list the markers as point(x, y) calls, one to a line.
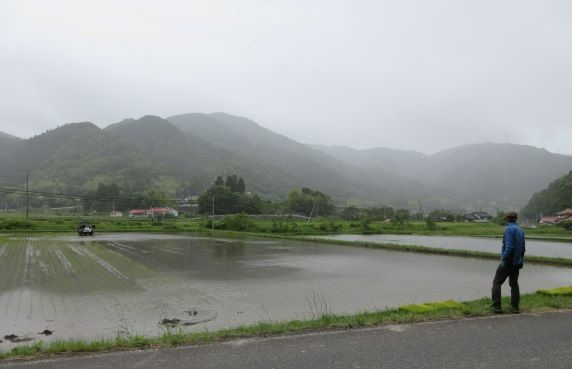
point(287, 226)
point(542, 300)
point(15, 225)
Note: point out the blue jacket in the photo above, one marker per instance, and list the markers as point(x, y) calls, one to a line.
point(513, 245)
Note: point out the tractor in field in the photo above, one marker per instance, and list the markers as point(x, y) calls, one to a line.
point(85, 229)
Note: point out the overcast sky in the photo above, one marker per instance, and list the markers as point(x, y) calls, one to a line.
point(416, 75)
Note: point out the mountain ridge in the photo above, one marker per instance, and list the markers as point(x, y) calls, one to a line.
point(182, 154)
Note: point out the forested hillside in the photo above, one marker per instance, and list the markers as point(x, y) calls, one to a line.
point(555, 198)
point(182, 155)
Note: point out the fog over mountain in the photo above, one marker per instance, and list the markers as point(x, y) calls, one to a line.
point(499, 175)
point(183, 154)
point(409, 75)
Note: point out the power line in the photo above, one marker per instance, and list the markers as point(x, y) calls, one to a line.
point(84, 197)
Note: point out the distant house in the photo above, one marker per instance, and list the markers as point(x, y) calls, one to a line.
point(137, 213)
point(162, 212)
point(189, 201)
point(153, 212)
point(564, 216)
point(478, 217)
point(548, 220)
point(469, 217)
point(116, 214)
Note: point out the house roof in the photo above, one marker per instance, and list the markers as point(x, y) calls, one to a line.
point(137, 211)
point(482, 214)
point(159, 210)
point(565, 212)
point(548, 220)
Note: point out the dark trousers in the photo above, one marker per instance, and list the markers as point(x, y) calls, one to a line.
point(502, 273)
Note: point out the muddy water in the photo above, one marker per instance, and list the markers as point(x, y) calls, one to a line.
point(113, 284)
point(533, 247)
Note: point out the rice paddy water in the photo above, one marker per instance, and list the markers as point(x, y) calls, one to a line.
point(108, 285)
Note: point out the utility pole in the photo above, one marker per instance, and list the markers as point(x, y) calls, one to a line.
point(312, 211)
point(212, 221)
point(27, 196)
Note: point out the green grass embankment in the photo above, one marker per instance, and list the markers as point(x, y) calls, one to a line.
point(16, 225)
point(244, 224)
point(541, 301)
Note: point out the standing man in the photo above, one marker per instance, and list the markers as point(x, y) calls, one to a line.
point(512, 259)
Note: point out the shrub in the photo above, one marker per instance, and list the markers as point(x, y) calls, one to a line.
point(10, 224)
point(238, 222)
point(431, 306)
point(561, 291)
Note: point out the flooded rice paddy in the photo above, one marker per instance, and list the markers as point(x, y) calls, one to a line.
point(128, 283)
point(533, 247)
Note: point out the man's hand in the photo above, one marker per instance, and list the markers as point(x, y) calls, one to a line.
point(502, 264)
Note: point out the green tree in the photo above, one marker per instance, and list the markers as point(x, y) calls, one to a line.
point(249, 204)
point(238, 222)
point(229, 198)
point(401, 216)
point(103, 199)
point(224, 200)
point(430, 223)
point(351, 213)
point(219, 181)
point(309, 202)
point(232, 183)
point(380, 213)
point(555, 198)
point(235, 183)
point(241, 185)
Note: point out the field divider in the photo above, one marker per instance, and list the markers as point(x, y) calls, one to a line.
point(532, 259)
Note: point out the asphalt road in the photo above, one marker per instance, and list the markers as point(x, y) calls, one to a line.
point(506, 341)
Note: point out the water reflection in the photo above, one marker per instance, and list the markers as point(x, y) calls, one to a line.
point(90, 287)
point(223, 251)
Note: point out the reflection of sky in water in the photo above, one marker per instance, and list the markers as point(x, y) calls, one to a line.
point(101, 286)
point(533, 247)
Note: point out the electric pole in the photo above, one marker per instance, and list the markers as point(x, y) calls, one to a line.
point(27, 196)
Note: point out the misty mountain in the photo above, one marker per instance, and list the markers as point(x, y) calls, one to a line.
point(303, 165)
point(5, 137)
point(183, 154)
point(73, 158)
point(551, 200)
point(479, 175)
point(184, 158)
point(403, 163)
point(507, 174)
point(8, 142)
point(193, 161)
